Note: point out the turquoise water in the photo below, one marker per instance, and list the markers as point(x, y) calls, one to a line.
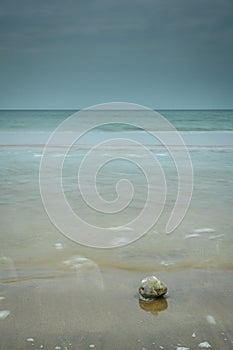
point(183, 120)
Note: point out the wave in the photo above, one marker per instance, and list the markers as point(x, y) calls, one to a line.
point(182, 120)
point(211, 139)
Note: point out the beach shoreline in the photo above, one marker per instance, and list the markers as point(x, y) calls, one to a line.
point(59, 294)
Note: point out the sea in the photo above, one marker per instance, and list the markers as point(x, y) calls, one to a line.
point(102, 189)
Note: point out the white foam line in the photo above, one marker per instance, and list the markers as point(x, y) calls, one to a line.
point(161, 154)
point(166, 263)
point(120, 228)
point(192, 235)
point(204, 230)
point(120, 240)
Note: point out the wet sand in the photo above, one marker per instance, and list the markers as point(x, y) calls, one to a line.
point(84, 310)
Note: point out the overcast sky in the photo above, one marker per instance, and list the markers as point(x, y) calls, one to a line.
point(76, 53)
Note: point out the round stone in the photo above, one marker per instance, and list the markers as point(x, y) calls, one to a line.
point(151, 288)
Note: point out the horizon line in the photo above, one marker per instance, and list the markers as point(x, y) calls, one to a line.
point(89, 109)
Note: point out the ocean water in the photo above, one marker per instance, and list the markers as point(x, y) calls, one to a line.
point(33, 245)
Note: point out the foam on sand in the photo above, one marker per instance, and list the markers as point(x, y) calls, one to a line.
point(58, 246)
point(210, 319)
point(4, 314)
point(204, 230)
point(204, 345)
point(192, 235)
point(30, 340)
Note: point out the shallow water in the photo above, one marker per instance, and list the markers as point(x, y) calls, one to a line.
point(28, 235)
point(37, 259)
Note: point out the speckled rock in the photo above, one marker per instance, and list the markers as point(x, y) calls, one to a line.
point(151, 288)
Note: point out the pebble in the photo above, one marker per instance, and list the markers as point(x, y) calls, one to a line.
point(194, 335)
point(151, 288)
point(91, 345)
point(182, 348)
point(2, 298)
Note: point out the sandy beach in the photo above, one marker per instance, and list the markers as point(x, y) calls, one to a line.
point(83, 310)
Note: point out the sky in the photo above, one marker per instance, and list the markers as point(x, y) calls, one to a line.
point(163, 54)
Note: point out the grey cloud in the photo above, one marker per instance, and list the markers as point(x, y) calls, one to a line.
point(169, 41)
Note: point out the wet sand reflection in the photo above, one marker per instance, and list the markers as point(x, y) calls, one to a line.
point(154, 306)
